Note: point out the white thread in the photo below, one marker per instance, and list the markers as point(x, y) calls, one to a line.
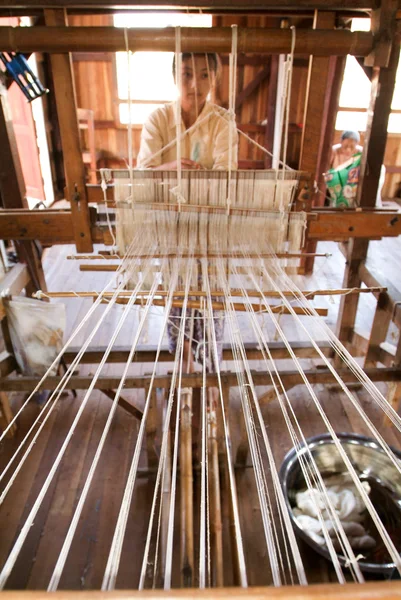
point(231, 112)
point(105, 175)
point(178, 118)
point(58, 569)
point(111, 570)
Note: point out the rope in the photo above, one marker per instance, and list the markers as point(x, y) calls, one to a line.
point(177, 191)
point(105, 175)
point(130, 150)
point(231, 100)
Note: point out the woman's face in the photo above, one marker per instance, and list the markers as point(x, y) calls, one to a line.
point(348, 146)
point(197, 81)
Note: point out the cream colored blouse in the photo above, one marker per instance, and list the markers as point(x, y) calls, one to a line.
point(206, 144)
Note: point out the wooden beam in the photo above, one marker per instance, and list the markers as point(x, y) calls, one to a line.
point(367, 273)
point(383, 590)
point(315, 100)
point(47, 226)
point(69, 131)
point(60, 39)
point(289, 378)
point(105, 255)
point(56, 226)
point(296, 5)
point(218, 293)
point(314, 119)
point(92, 57)
point(368, 72)
point(326, 226)
point(8, 364)
point(378, 333)
point(127, 406)
point(187, 564)
point(246, 60)
point(335, 78)
point(332, 225)
point(151, 428)
point(276, 309)
point(216, 526)
point(29, 252)
point(148, 354)
point(379, 110)
point(15, 280)
point(383, 27)
point(6, 415)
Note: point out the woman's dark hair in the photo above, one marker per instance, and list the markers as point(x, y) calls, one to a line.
point(212, 58)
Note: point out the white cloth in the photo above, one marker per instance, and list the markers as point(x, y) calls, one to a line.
point(206, 144)
point(348, 505)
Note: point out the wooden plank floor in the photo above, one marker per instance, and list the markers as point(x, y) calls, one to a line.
point(88, 556)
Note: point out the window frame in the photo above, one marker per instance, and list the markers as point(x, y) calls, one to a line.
point(118, 101)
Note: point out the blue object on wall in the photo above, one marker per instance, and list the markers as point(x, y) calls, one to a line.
point(17, 67)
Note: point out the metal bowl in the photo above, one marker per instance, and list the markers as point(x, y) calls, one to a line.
point(372, 465)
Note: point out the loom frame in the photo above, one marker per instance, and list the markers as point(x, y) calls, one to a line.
point(81, 225)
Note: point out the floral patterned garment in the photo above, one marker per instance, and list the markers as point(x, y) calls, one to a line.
point(198, 350)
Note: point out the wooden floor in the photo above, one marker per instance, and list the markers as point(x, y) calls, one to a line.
point(87, 559)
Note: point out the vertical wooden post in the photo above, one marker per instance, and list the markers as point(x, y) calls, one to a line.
point(215, 497)
point(151, 430)
point(394, 387)
point(335, 78)
point(166, 496)
point(186, 487)
point(315, 100)
point(316, 112)
point(6, 415)
point(383, 82)
point(70, 138)
point(378, 333)
point(12, 190)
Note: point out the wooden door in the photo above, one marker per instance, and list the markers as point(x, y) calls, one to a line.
point(25, 133)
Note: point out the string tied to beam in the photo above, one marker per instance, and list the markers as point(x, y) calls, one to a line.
point(177, 191)
point(231, 111)
point(106, 178)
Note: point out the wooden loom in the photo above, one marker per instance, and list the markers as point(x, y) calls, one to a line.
point(84, 228)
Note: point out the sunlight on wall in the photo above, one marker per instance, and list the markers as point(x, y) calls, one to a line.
point(355, 93)
point(151, 79)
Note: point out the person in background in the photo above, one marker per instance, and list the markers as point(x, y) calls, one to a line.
point(346, 149)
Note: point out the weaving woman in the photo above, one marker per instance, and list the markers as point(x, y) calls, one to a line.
point(204, 145)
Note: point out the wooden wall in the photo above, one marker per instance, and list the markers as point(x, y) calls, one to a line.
point(96, 89)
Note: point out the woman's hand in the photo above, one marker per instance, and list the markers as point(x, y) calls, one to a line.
point(173, 165)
